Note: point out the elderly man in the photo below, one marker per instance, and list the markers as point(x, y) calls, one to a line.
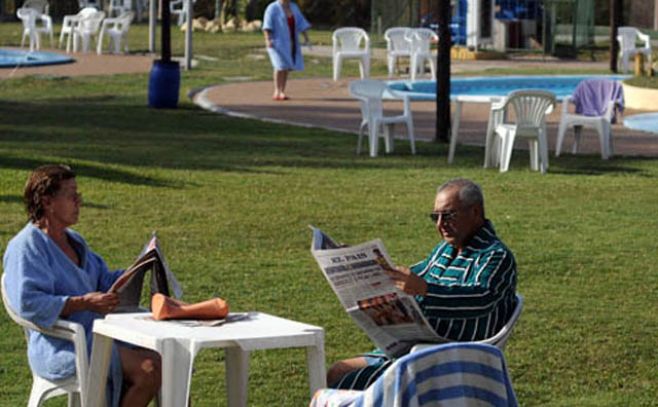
point(465, 287)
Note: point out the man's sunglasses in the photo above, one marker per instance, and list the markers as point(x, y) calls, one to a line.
point(446, 216)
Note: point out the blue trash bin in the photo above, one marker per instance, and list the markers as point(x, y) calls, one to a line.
point(164, 84)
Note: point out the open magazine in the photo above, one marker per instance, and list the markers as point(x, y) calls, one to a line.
point(357, 274)
point(129, 285)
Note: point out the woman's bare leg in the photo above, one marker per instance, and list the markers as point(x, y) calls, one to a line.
point(142, 376)
point(284, 81)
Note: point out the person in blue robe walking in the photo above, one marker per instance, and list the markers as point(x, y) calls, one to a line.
point(51, 273)
point(282, 24)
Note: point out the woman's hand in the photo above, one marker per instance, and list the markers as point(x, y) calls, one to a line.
point(407, 281)
point(101, 303)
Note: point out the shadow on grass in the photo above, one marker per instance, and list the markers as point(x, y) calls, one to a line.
point(118, 131)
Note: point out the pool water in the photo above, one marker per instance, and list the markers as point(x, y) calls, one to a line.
point(495, 86)
point(645, 122)
point(13, 58)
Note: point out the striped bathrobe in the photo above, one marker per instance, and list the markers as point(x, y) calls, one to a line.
point(457, 374)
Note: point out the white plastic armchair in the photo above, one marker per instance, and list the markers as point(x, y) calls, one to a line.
point(530, 108)
point(43, 20)
point(42, 389)
point(34, 24)
point(421, 40)
point(397, 46)
point(179, 8)
point(119, 7)
point(117, 28)
point(86, 28)
point(369, 92)
point(351, 43)
point(69, 23)
point(500, 339)
point(627, 37)
point(601, 123)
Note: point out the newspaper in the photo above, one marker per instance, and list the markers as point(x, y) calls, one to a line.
point(129, 285)
point(357, 274)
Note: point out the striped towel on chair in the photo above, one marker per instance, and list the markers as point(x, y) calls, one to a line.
point(455, 374)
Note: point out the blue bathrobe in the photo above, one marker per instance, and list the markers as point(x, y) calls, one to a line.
point(276, 22)
point(39, 279)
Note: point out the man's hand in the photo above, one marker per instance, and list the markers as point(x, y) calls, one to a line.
point(407, 281)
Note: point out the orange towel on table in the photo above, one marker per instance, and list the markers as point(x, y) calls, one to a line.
point(164, 307)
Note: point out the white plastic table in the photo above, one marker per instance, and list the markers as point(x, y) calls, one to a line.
point(179, 344)
point(495, 118)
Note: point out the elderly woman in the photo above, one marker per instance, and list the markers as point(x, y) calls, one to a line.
point(51, 273)
point(282, 24)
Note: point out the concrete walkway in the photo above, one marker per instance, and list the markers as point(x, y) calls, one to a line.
point(85, 64)
point(324, 103)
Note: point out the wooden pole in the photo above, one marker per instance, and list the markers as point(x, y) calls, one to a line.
point(166, 31)
point(443, 73)
point(616, 10)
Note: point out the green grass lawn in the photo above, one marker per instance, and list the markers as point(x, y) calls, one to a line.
point(231, 200)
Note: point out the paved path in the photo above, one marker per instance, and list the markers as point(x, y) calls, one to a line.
point(327, 104)
point(85, 64)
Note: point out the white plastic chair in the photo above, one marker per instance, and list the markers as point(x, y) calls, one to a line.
point(179, 8)
point(626, 37)
point(117, 28)
point(34, 24)
point(69, 23)
point(119, 7)
point(500, 339)
point(86, 28)
point(421, 50)
point(369, 92)
point(90, 3)
point(530, 108)
point(602, 125)
point(351, 43)
point(397, 46)
point(74, 386)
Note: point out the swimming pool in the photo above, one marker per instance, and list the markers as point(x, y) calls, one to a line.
point(485, 86)
point(12, 58)
point(646, 122)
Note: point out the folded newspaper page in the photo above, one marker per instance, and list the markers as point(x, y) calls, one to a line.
point(129, 285)
point(357, 274)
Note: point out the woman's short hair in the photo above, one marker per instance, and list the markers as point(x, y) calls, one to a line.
point(43, 181)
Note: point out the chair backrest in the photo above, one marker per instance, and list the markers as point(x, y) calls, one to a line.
point(370, 93)
point(530, 106)
point(124, 20)
point(499, 340)
point(28, 17)
point(396, 39)
point(86, 11)
point(626, 37)
point(598, 97)
point(350, 39)
point(41, 6)
point(91, 22)
point(421, 40)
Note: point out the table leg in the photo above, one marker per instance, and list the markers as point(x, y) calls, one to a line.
point(237, 376)
point(177, 358)
point(97, 373)
point(317, 378)
point(455, 130)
